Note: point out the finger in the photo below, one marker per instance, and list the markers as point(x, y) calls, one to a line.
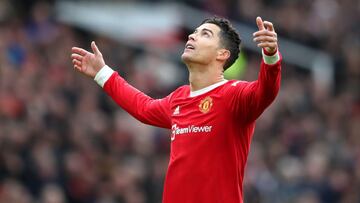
point(269, 26)
point(265, 39)
point(76, 62)
point(265, 33)
point(78, 68)
point(77, 57)
point(260, 23)
point(79, 51)
point(95, 48)
point(267, 44)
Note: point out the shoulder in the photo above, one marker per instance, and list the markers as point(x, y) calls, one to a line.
point(180, 91)
point(233, 85)
point(236, 83)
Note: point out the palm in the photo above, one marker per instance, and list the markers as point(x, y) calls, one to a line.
point(87, 63)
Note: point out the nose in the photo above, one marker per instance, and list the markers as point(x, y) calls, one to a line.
point(191, 36)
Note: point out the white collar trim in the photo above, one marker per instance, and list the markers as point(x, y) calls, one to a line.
point(206, 89)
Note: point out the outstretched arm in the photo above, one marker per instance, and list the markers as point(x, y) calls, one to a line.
point(252, 98)
point(150, 111)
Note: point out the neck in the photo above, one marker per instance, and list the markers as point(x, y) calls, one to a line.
point(203, 76)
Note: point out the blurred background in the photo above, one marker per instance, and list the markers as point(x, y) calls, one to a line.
point(62, 140)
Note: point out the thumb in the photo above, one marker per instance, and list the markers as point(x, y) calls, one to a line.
point(260, 23)
point(95, 48)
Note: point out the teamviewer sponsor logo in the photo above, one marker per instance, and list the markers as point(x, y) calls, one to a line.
point(187, 130)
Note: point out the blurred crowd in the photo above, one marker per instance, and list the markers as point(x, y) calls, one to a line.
point(62, 140)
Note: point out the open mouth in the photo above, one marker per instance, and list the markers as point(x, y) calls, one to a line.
point(189, 46)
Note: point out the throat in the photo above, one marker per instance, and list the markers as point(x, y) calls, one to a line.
point(200, 81)
point(204, 75)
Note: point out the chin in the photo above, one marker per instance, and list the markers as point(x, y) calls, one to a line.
point(186, 57)
point(192, 58)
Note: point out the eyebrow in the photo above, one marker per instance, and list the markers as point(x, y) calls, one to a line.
point(206, 29)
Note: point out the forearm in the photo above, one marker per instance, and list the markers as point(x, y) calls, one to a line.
point(126, 96)
point(262, 92)
point(269, 79)
point(135, 102)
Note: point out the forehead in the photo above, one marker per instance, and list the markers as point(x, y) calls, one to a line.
point(209, 26)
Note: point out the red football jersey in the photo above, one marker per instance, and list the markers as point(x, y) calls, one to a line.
point(211, 131)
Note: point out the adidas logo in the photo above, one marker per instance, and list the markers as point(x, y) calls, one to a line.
point(177, 110)
point(235, 83)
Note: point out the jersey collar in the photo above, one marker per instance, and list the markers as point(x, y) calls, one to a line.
point(206, 89)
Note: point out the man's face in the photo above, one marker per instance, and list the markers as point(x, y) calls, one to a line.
point(202, 45)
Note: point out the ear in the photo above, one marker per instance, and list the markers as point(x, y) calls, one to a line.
point(223, 54)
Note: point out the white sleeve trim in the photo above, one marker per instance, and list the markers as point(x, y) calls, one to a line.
point(270, 60)
point(103, 75)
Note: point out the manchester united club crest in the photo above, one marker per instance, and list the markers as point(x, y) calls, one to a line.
point(206, 104)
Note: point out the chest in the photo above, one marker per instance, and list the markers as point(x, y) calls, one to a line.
point(196, 118)
point(198, 110)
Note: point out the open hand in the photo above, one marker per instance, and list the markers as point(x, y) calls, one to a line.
point(266, 37)
point(86, 62)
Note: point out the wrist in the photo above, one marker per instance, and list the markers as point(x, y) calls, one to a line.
point(103, 75)
point(269, 52)
point(271, 59)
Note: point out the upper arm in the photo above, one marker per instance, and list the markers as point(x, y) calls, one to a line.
point(155, 112)
point(250, 99)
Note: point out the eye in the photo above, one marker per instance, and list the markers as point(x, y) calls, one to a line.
point(206, 34)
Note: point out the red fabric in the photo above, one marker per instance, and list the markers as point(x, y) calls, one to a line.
point(211, 133)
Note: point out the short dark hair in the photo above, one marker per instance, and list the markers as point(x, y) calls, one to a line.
point(229, 37)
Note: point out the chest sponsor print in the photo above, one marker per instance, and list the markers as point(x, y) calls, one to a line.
point(191, 129)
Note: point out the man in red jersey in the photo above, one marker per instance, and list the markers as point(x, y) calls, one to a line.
point(212, 120)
